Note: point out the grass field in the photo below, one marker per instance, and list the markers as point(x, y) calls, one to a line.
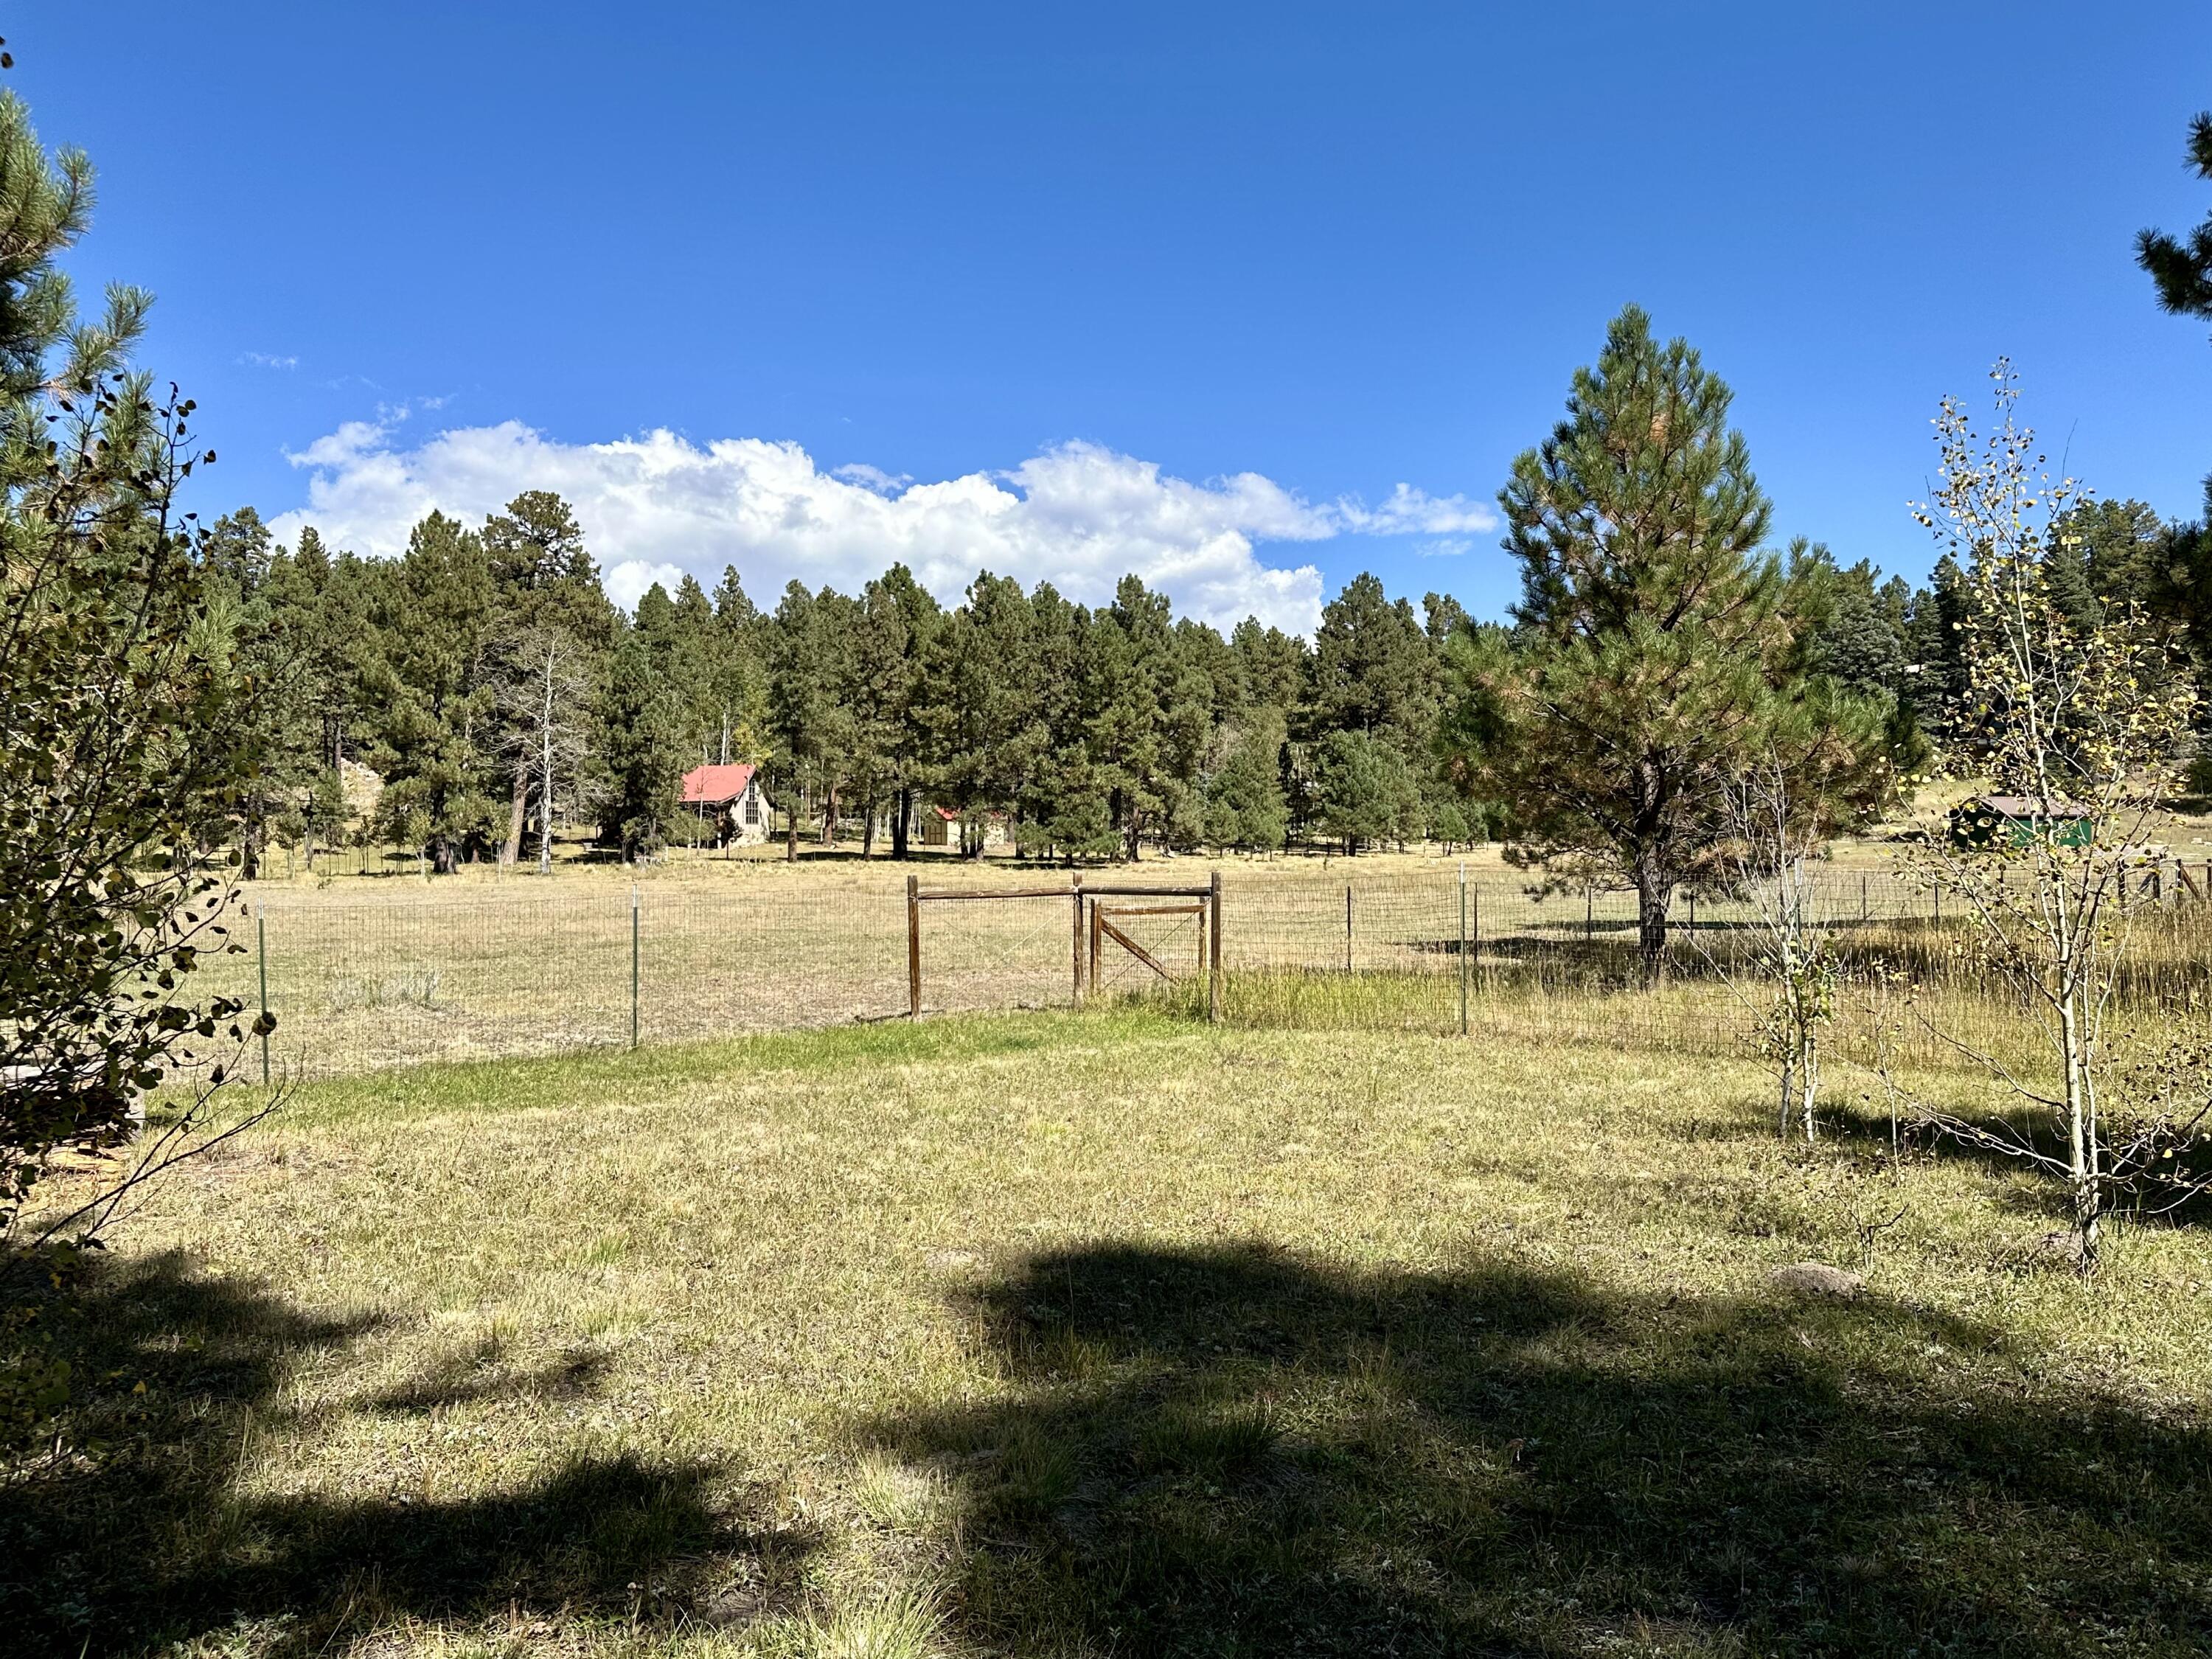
point(1112, 1333)
point(369, 973)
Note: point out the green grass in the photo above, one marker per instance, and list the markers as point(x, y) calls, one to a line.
point(1110, 1334)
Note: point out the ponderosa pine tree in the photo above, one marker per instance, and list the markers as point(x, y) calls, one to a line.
point(122, 741)
point(1363, 790)
point(899, 622)
point(1374, 669)
point(739, 681)
point(1274, 666)
point(552, 625)
point(2181, 270)
point(978, 707)
point(1140, 726)
point(1064, 805)
point(811, 718)
point(640, 752)
point(1652, 658)
point(241, 624)
point(1244, 803)
point(433, 615)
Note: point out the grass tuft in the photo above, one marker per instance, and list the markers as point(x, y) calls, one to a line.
point(903, 1625)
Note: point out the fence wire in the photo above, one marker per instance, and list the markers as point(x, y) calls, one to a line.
point(369, 973)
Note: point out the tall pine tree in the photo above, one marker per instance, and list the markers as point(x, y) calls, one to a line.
point(1653, 661)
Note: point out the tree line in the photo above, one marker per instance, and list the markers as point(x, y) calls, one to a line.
point(485, 677)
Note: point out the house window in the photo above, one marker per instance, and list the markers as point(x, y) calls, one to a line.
point(752, 806)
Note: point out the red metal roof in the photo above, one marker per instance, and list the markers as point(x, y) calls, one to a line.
point(712, 786)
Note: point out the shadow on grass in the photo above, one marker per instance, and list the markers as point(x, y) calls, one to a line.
point(1241, 1452)
point(143, 1539)
point(2028, 1132)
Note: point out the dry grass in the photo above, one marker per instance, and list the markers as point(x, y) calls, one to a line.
point(1078, 1334)
point(365, 973)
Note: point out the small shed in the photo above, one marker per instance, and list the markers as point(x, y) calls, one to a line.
point(941, 827)
point(2015, 820)
point(729, 800)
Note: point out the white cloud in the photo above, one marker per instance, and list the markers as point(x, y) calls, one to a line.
point(264, 360)
point(1078, 516)
point(1408, 510)
point(626, 583)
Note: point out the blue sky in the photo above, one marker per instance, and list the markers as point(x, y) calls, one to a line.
point(1195, 287)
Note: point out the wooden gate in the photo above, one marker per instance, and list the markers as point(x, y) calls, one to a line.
point(1094, 910)
point(1104, 930)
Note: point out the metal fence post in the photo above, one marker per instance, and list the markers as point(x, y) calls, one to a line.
point(1347, 927)
point(1076, 887)
point(1214, 954)
point(633, 965)
point(1463, 947)
point(912, 948)
point(261, 952)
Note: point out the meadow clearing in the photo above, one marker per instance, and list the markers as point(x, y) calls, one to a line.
point(367, 972)
point(1112, 1331)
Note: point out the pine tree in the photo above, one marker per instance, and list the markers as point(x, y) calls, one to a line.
point(1935, 649)
point(1063, 805)
point(739, 683)
point(640, 750)
point(247, 620)
point(552, 624)
point(1374, 670)
point(1365, 792)
point(1274, 667)
point(120, 766)
point(1653, 661)
point(1244, 804)
point(2181, 271)
point(432, 615)
point(1146, 725)
point(811, 720)
point(899, 622)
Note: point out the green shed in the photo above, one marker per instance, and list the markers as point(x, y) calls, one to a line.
point(2014, 820)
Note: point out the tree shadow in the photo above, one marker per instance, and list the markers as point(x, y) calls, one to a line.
point(483, 1373)
point(2170, 1199)
point(142, 1538)
point(1237, 1451)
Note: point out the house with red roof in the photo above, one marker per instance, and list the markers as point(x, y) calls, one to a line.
point(729, 801)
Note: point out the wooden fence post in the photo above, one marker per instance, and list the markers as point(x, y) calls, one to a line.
point(1347, 927)
point(912, 948)
point(1213, 948)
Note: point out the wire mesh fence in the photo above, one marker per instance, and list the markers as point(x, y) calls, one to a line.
point(370, 973)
